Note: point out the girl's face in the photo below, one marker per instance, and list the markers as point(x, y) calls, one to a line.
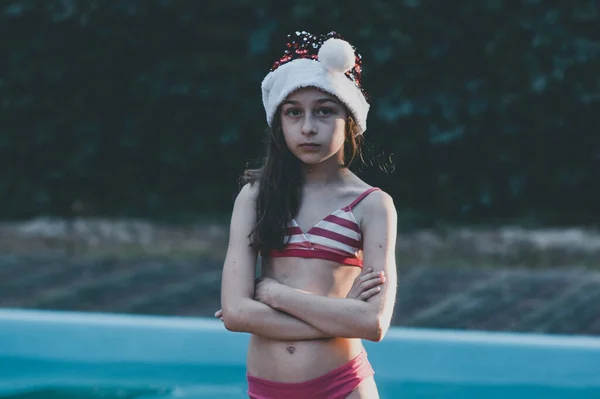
point(313, 124)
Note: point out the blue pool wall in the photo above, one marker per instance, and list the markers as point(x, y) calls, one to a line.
point(406, 354)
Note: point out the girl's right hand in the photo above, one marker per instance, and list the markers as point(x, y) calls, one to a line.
point(366, 285)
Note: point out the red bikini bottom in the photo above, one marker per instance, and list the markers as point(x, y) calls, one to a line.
point(336, 384)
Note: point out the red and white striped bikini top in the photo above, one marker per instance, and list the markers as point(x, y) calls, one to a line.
point(336, 237)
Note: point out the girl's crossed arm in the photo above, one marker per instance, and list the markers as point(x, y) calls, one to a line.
point(240, 311)
point(350, 318)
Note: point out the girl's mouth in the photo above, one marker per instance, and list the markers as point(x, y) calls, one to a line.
point(310, 147)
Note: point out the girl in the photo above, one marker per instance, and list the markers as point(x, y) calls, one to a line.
point(326, 238)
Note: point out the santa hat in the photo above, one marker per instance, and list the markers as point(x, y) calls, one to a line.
point(327, 62)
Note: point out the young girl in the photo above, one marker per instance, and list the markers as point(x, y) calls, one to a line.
point(326, 238)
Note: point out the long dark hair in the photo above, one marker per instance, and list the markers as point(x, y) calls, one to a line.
point(280, 184)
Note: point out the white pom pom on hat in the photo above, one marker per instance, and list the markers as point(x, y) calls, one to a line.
point(337, 55)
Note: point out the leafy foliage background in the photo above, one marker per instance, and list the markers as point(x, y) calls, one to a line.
point(488, 110)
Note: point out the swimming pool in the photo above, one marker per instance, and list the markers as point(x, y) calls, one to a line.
point(68, 355)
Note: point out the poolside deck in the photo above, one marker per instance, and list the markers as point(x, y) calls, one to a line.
point(560, 300)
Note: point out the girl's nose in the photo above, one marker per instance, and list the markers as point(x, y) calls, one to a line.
point(308, 126)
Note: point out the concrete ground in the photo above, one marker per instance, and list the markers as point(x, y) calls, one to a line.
point(547, 301)
point(41, 269)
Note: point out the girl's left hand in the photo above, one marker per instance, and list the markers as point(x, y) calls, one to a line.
point(264, 290)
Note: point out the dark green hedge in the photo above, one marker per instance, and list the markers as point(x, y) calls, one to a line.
point(488, 110)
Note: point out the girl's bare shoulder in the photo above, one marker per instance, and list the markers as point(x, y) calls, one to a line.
point(357, 186)
point(377, 202)
point(248, 193)
point(243, 216)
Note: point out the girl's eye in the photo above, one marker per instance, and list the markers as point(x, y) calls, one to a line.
point(293, 112)
point(325, 111)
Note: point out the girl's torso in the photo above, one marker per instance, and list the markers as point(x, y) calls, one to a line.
point(296, 361)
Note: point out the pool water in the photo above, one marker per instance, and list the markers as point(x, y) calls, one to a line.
point(59, 380)
point(408, 391)
point(53, 355)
